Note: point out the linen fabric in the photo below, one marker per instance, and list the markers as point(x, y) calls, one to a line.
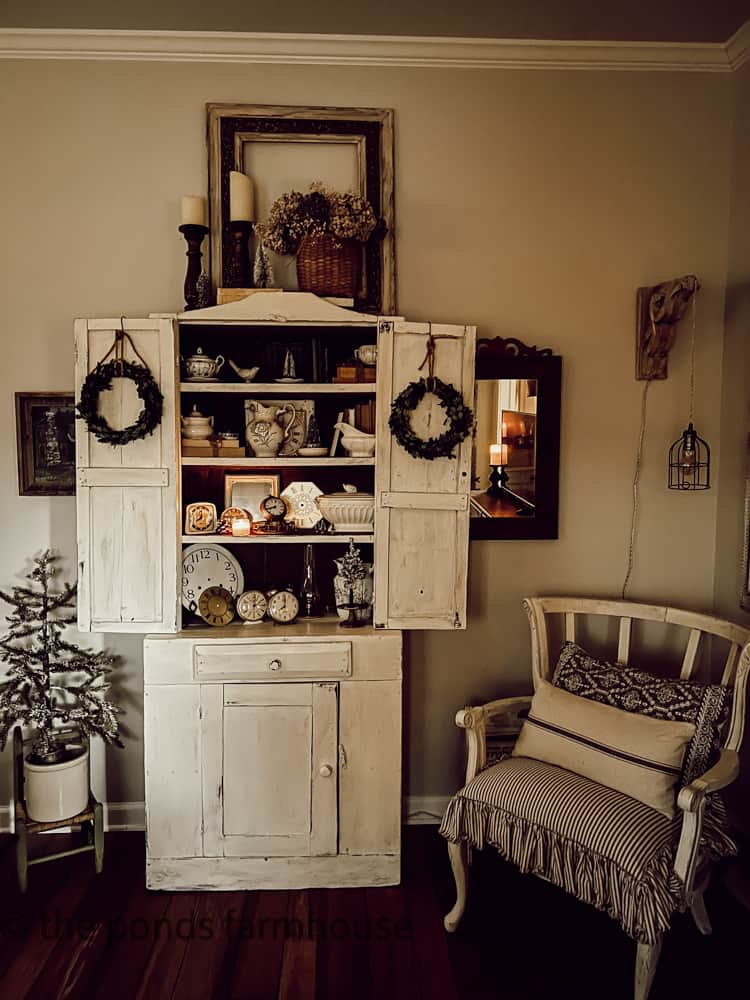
point(639, 756)
point(705, 705)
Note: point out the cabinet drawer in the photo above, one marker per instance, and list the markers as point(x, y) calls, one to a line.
point(274, 660)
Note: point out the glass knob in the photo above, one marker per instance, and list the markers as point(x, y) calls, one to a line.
point(274, 665)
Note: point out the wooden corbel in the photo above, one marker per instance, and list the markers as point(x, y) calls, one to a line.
point(658, 310)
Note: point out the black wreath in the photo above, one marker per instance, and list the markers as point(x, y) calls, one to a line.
point(460, 418)
point(99, 380)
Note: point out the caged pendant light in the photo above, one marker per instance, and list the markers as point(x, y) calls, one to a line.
point(690, 455)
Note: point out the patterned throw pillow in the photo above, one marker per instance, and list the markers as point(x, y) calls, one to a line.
point(705, 705)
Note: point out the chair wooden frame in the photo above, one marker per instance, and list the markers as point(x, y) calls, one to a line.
point(508, 713)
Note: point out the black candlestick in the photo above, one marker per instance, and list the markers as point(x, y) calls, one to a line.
point(498, 480)
point(239, 272)
point(194, 238)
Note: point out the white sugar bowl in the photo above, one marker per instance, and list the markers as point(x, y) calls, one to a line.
point(196, 427)
point(348, 511)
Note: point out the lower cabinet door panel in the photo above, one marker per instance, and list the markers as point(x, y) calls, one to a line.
point(269, 770)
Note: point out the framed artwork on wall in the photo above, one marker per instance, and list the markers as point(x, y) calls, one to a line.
point(46, 443)
point(289, 148)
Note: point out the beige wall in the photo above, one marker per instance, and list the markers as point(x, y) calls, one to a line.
point(735, 409)
point(530, 203)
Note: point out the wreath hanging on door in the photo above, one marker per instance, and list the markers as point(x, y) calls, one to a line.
point(100, 379)
point(460, 416)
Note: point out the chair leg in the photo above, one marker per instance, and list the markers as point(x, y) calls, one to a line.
point(646, 959)
point(98, 837)
point(22, 855)
point(458, 854)
point(700, 916)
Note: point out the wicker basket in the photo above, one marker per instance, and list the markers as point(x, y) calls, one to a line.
point(329, 267)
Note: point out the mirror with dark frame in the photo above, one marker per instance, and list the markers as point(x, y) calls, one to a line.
point(516, 454)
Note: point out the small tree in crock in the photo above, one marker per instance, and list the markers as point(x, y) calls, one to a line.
point(51, 682)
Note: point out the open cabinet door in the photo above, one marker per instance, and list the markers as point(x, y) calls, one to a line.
point(421, 506)
point(126, 495)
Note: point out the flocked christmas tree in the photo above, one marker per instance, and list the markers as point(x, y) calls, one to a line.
point(263, 269)
point(50, 682)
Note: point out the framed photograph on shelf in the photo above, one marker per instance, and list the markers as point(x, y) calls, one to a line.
point(46, 443)
point(247, 491)
point(288, 148)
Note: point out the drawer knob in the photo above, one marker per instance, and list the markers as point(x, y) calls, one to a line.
point(326, 770)
point(274, 665)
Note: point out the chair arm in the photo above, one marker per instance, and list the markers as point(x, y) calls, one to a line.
point(474, 721)
point(723, 773)
point(692, 801)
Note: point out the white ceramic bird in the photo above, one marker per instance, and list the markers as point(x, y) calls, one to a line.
point(246, 374)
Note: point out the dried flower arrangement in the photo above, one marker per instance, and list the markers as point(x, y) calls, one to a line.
point(320, 212)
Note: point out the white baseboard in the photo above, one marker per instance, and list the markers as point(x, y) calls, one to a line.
point(119, 817)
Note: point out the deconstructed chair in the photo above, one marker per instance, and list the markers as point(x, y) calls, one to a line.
point(626, 854)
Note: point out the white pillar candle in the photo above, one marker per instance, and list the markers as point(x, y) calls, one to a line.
point(241, 201)
point(240, 526)
point(193, 210)
point(498, 454)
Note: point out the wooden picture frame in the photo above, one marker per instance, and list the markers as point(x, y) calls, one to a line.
point(745, 590)
point(45, 441)
point(256, 488)
point(368, 130)
point(510, 358)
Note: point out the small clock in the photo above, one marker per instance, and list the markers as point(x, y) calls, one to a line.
point(274, 511)
point(252, 606)
point(300, 498)
point(216, 606)
point(283, 606)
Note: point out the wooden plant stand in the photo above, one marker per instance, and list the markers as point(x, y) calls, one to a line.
point(92, 817)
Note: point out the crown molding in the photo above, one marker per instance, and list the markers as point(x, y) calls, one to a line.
point(361, 50)
point(738, 47)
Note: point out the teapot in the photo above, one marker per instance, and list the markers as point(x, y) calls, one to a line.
point(196, 427)
point(264, 433)
point(200, 368)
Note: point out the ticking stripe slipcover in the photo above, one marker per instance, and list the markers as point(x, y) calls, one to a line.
point(598, 844)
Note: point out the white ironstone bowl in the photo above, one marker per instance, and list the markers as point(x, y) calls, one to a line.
point(353, 513)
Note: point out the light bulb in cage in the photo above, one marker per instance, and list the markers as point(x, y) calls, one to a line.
point(689, 462)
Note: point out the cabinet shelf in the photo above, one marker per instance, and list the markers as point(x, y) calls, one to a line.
point(343, 538)
point(283, 388)
point(270, 463)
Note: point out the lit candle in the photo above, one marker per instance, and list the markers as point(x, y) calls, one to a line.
point(496, 452)
point(241, 526)
point(193, 211)
point(241, 207)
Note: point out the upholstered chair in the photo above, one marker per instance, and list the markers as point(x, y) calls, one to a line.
point(610, 791)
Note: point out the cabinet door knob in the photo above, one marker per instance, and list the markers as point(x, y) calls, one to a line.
point(326, 770)
point(274, 665)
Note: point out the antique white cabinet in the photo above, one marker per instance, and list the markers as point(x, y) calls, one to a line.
point(272, 753)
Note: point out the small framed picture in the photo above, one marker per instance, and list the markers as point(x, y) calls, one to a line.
point(46, 441)
point(248, 491)
point(200, 518)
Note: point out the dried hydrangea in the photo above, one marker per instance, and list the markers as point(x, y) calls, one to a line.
point(319, 212)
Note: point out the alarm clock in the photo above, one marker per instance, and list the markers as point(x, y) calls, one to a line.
point(252, 606)
point(274, 511)
point(283, 605)
point(216, 606)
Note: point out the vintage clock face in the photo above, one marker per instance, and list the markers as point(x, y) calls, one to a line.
point(216, 606)
point(252, 606)
point(273, 508)
point(303, 510)
point(209, 565)
point(283, 606)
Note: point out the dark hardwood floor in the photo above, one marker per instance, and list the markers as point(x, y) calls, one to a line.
point(76, 935)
